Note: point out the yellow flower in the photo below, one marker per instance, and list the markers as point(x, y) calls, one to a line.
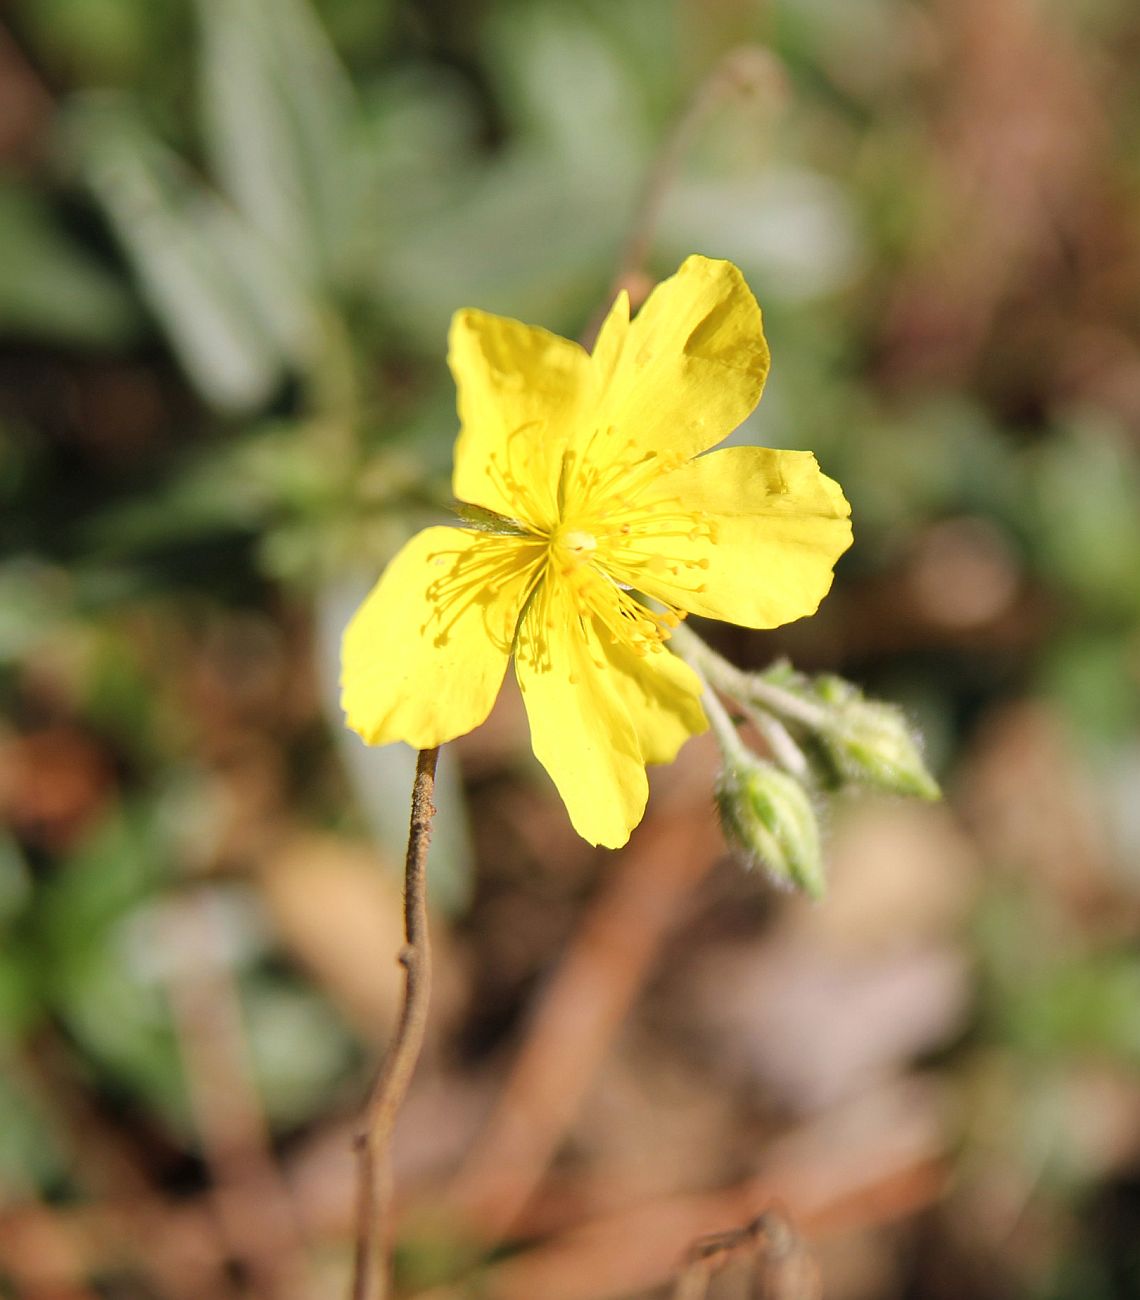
point(587, 498)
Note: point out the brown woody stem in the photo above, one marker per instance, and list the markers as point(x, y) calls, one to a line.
point(371, 1274)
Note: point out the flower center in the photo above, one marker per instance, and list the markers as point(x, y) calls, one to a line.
point(619, 537)
point(581, 545)
point(616, 499)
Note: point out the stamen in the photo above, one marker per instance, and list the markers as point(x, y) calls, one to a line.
point(618, 533)
point(473, 576)
point(521, 479)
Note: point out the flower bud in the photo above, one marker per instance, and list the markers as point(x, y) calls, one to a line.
point(870, 742)
point(768, 815)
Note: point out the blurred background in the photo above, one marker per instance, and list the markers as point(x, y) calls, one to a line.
point(232, 233)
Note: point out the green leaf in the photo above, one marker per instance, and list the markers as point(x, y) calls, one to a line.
point(568, 88)
point(233, 309)
point(30, 1155)
point(1086, 513)
point(50, 288)
point(276, 108)
point(32, 601)
point(91, 930)
point(105, 42)
point(15, 881)
point(299, 1049)
point(531, 233)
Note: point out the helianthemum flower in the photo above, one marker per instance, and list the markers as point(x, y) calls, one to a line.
point(593, 525)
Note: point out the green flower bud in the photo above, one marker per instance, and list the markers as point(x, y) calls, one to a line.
point(769, 817)
point(871, 743)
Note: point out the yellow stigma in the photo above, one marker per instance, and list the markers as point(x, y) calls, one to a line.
point(578, 543)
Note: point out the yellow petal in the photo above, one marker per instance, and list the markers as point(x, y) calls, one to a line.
point(580, 726)
point(519, 390)
point(688, 369)
point(662, 696)
point(424, 656)
point(778, 526)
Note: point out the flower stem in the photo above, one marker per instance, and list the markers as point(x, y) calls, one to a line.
point(727, 737)
point(745, 687)
point(688, 646)
point(780, 741)
point(718, 674)
point(371, 1273)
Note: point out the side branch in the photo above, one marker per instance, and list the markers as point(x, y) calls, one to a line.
point(777, 1260)
point(748, 69)
point(371, 1268)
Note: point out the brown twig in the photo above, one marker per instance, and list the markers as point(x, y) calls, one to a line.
point(747, 69)
point(581, 1010)
point(877, 1160)
point(769, 1244)
point(371, 1268)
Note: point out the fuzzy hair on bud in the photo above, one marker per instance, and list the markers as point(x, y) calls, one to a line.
point(768, 816)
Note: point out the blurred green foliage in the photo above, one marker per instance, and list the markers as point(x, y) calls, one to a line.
point(228, 256)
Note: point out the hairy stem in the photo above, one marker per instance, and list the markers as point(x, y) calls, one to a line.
point(688, 647)
point(748, 688)
point(371, 1274)
point(780, 741)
